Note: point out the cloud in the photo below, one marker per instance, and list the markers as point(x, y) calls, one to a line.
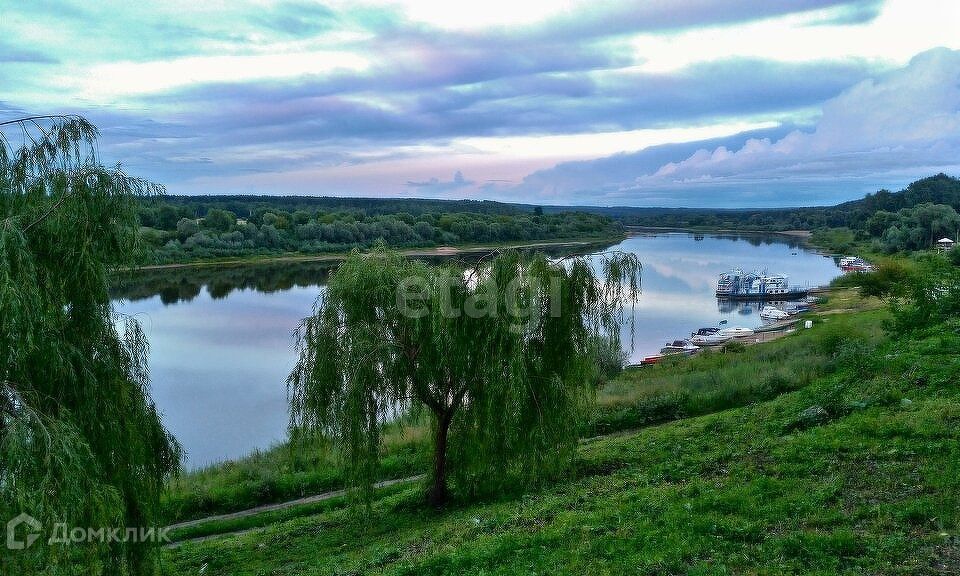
point(895, 127)
point(375, 97)
point(642, 16)
point(435, 186)
point(849, 15)
point(298, 19)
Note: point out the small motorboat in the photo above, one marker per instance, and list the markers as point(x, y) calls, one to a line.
point(735, 332)
point(705, 332)
point(773, 313)
point(679, 347)
point(710, 339)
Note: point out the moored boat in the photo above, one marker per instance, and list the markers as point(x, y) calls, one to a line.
point(773, 313)
point(705, 331)
point(679, 347)
point(710, 339)
point(740, 285)
point(855, 264)
point(736, 332)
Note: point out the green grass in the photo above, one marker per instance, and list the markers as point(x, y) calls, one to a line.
point(282, 473)
point(871, 487)
point(714, 381)
point(707, 383)
point(269, 517)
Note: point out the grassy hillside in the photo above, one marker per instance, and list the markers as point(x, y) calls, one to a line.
point(835, 450)
point(710, 382)
point(856, 472)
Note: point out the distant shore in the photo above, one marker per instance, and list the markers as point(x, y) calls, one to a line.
point(335, 256)
point(465, 249)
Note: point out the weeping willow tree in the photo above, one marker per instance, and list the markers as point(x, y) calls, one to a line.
point(81, 443)
point(503, 358)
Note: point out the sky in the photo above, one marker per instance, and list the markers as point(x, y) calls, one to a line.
point(716, 103)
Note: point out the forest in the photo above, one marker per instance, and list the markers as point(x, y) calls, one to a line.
point(180, 228)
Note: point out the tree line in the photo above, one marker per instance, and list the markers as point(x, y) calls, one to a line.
point(182, 230)
point(911, 219)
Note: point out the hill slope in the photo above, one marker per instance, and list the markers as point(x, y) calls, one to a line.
point(859, 472)
point(938, 189)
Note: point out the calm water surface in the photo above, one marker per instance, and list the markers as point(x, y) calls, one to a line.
point(221, 340)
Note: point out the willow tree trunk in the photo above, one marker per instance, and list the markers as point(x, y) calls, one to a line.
point(438, 495)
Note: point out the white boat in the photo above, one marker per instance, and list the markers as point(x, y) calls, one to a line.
point(773, 313)
point(679, 347)
point(710, 339)
point(735, 332)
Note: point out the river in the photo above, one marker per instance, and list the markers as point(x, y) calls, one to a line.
point(221, 339)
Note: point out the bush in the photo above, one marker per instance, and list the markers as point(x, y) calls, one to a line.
point(931, 295)
point(887, 280)
point(733, 347)
point(187, 227)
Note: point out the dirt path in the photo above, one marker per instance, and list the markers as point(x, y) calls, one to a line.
point(282, 505)
point(269, 508)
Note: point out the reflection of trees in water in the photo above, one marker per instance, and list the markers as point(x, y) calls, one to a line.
point(761, 239)
point(752, 238)
point(184, 284)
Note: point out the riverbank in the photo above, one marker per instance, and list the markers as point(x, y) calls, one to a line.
point(839, 454)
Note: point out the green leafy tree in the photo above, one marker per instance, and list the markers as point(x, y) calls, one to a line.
point(167, 217)
point(81, 442)
point(219, 220)
point(187, 227)
point(928, 296)
point(503, 359)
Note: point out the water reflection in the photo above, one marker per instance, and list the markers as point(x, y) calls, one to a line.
point(221, 338)
point(176, 285)
point(184, 284)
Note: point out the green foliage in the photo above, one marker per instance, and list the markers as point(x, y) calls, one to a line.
point(918, 227)
point(273, 230)
point(954, 256)
point(888, 279)
point(837, 240)
point(929, 296)
point(219, 220)
point(80, 441)
point(502, 358)
point(187, 227)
